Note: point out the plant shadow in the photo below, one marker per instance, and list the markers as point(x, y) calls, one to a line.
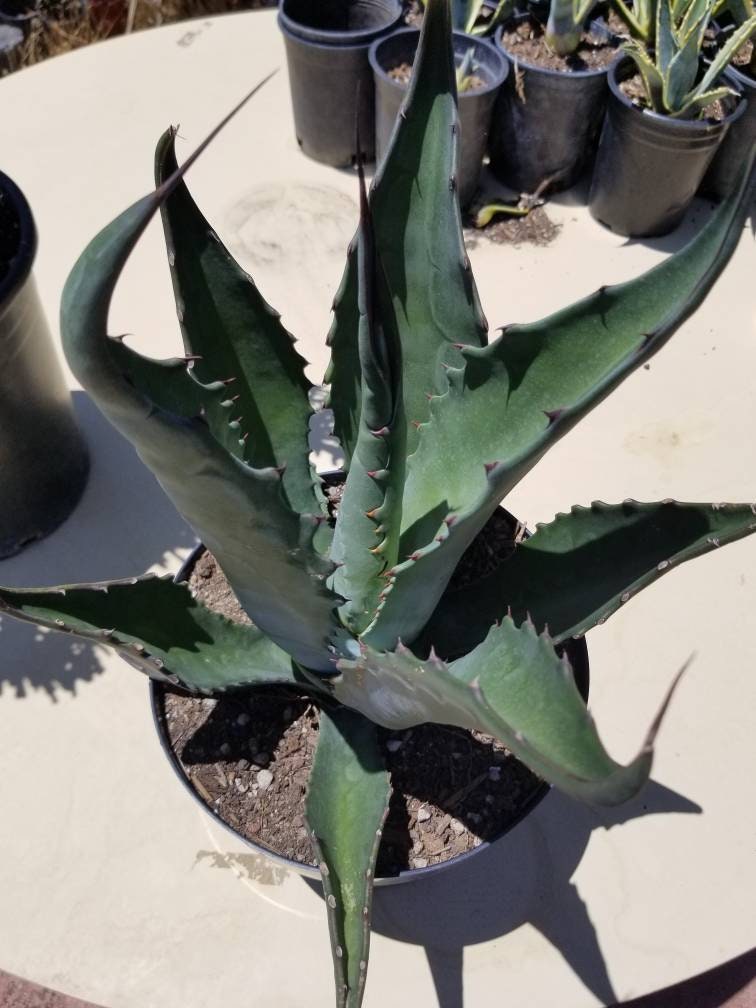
point(525, 878)
point(123, 525)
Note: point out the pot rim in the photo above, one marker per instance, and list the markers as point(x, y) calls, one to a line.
point(21, 264)
point(325, 38)
point(478, 43)
point(157, 687)
point(683, 125)
point(546, 71)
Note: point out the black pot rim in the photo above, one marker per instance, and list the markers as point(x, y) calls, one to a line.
point(745, 82)
point(561, 74)
point(21, 264)
point(324, 38)
point(683, 125)
point(156, 690)
point(478, 43)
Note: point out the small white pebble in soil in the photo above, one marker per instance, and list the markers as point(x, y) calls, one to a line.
point(394, 745)
point(494, 773)
point(420, 862)
point(477, 841)
point(423, 814)
point(264, 779)
point(261, 758)
point(457, 827)
point(332, 902)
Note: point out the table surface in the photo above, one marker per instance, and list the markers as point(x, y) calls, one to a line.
point(115, 886)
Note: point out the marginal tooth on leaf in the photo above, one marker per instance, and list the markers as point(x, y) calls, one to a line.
point(415, 556)
point(382, 432)
point(553, 415)
point(401, 648)
point(120, 338)
point(489, 466)
point(227, 381)
point(416, 424)
point(372, 513)
point(450, 520)
point(459, 346)
point(191, 358)
point(429, 396)
point(227, 403)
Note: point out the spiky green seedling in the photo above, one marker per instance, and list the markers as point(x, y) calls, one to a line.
point(437, 425)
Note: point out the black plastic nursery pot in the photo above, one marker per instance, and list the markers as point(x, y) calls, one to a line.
point(43, 459)
point(475, 106)
point(545, 124)
point(649, 166)
point(719, 180)
point(578, 656)
point(331, 83)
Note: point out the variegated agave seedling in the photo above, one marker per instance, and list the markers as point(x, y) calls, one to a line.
point(676, 82)
point(437, 426)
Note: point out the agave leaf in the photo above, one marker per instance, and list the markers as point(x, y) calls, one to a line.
point(501, 12)
point(682, 72)
point(347, 802)
point(343, 373)
point(577, 570)
point(726, 53)
point(666, 43)
point(652, 79)
point(563, 31)
point(418, 236)
point(518, 396)
point(263, 546)
point(367, 532)
point(694, 106)
point(226, 322)
point(513, 686)
point(697, 11)
point(161, 628)
point(639, 28)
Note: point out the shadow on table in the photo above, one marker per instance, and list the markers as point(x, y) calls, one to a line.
point(523, 879)
point(123, 525)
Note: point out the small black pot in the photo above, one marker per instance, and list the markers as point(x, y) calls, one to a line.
point(545, 124)
point(43, 460)
point(719, 180)
point(475, 107)
point(649, 166)
point(327, 43)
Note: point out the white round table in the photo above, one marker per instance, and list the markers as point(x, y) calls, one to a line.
point(115, 886)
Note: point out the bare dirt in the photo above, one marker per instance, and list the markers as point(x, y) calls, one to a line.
point(525, 40)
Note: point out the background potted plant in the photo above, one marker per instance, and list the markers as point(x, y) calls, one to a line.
point(667, 114)
point(550, 109)
point(481, 70)
point(43, 460)
point(329, 75)
point(722, 172)
point(437, 426)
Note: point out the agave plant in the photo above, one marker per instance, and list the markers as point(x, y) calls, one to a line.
point(437, 425)
point(672, 74)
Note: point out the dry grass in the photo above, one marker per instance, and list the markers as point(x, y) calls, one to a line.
point(75, 23)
